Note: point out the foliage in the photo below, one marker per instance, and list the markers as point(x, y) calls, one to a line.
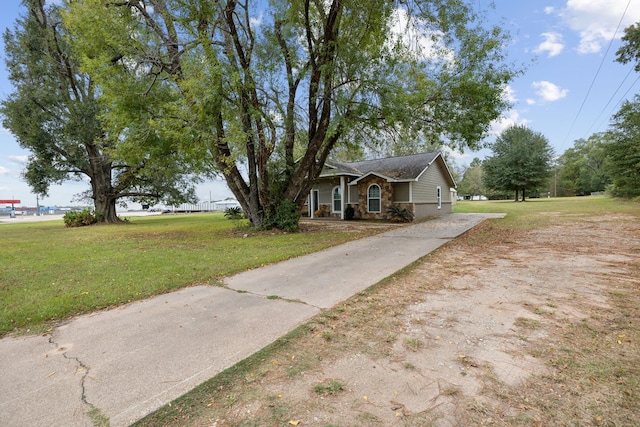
point(624, 151)
point(236, 97)
point(234, 212)
point(79, 219)
point(582, 168)
point(55, 112)
point(397, 214)
point(521, 160)
point(285, 217)
point(349, 213)
point(472, 180)
point(630, 50)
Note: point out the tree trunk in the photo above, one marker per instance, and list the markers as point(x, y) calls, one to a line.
point(103, 193)
point(105, 209)
point(516, 195)
point(523, 194)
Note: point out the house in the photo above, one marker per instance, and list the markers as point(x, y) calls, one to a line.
point(422, 183)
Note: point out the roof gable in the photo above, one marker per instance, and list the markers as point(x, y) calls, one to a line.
point(400, 168)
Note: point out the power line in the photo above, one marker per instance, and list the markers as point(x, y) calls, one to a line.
point(598, 71)
point(611, 99)
point(621, 100)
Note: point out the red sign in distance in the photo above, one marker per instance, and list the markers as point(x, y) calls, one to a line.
point(9, 201)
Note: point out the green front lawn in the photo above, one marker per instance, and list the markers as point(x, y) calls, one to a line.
point(49, 272)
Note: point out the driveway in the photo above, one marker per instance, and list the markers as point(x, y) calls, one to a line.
point(124, 363)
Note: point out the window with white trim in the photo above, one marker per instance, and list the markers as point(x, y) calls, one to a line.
point(439, 196)
point(373, 198)
point(336, 206)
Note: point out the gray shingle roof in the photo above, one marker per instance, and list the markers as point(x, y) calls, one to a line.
point(397, 168)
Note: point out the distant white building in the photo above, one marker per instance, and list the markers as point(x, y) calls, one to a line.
point(223, 205)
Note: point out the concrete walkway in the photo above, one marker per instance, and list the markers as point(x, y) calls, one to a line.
point(125, 363)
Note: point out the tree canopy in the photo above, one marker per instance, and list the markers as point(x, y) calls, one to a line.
point(472, 183)
point(262, 94)
point(583, 168)
point(55, 112)
point(521, 160)
point(624, 151)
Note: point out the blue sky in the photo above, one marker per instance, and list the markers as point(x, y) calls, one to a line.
point(570, 89)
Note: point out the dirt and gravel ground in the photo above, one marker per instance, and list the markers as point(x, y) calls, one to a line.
point(541, 328)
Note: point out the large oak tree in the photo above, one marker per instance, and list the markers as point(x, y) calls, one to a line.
point(55, 113)
point(262, 93)
point(520, 161)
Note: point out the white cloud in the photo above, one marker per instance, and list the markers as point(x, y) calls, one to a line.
point(552, 44)
point(548, 91)
point(256, 21)
point(509, 94)
point(549, 10)
point(455, 154)
point(512, 117)
point(596, 21)
point(18, 159)
point(4, 171)
point(530, 101)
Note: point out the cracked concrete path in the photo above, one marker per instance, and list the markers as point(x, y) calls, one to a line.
point(122, 364)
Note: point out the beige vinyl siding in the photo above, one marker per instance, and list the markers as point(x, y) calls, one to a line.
point(401, 192)
point(424, 190)
point(325, 188)
point(352, 192)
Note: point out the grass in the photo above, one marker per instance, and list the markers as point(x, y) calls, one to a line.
point(536, 213)
point(329, 388)
point(50, 272)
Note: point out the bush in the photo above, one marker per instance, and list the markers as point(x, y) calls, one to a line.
point(397, 214)
point(349, 213)
point(285, 217)
point(79, 219)
point(234, 212)
point(318, 213)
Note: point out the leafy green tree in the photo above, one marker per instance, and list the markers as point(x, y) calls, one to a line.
point(521, 160)
point(583, 167)
point(262, 94)
point(472, 181)
point(630, 49)
point(624, 152)
point(54, 112)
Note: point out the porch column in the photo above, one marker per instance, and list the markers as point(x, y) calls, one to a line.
point(342, 196)
point(311, 204)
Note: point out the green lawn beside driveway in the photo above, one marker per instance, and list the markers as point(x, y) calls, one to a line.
point(49, 272)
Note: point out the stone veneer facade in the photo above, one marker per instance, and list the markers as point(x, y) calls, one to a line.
point(386, 197)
